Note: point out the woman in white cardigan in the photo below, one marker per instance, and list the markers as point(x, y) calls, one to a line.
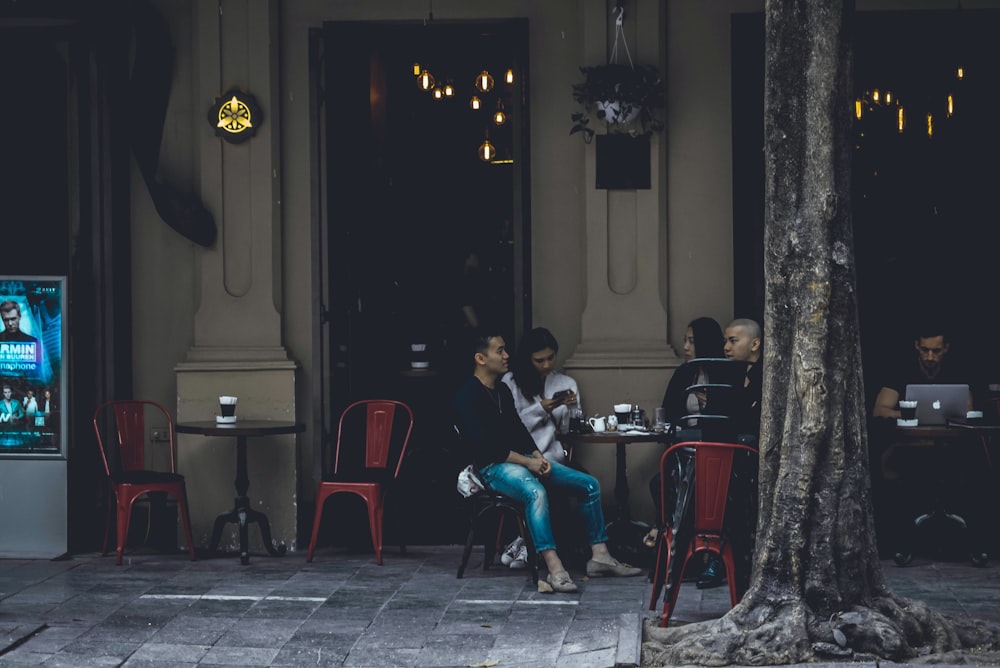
point(545, 398)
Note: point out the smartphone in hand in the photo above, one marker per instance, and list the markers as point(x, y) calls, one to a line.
point(561, 395)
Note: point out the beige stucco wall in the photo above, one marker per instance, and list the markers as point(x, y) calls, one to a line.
point(689, 215)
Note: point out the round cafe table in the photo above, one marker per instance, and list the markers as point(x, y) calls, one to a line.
point(620, 439)
point(242, 514)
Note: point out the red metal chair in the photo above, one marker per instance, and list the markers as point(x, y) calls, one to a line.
point(123, 451)
point(371, 444)
point(699, 531)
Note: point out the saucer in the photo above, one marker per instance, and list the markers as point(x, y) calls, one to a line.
point(225, 419)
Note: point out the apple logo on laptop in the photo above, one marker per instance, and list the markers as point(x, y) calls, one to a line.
point(936, 405)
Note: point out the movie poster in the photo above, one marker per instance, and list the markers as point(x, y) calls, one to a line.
point(32, 382)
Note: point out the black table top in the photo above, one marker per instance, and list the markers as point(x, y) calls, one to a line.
point(240, 428)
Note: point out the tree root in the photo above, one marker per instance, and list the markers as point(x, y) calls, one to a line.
point(770, 632)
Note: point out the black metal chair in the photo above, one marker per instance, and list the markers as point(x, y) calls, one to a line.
point(486, 503)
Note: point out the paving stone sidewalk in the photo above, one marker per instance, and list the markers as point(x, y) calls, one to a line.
point(344, 610)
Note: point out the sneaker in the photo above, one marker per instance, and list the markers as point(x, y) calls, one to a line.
point(714, 575)
point(521, 559)
point(510, 553)
point(561, 582)
point(596, 569)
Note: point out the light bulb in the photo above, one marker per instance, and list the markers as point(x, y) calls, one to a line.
point(509, 77)
point(449, 90)
point(475, 103)
point(486, 151)
point(416, 69)
point(498, 116)
point(425, 80)
point(484, 82)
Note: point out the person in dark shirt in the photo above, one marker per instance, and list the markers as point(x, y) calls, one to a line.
point(508, 461)
point(929, 365)
point(904, 467)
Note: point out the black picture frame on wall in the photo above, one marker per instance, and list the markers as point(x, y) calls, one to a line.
point(622, 162)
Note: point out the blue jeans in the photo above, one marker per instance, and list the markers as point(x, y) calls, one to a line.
point(519, 483)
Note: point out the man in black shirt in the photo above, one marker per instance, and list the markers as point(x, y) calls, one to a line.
point(507, 460)
point(928, 366)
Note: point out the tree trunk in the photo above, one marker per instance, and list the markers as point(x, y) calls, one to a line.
point(817, 590)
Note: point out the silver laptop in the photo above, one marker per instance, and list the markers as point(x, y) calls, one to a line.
point(936, 404)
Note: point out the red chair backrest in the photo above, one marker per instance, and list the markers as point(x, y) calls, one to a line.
point(129, 440)
point(713, 465)
point(380, 427)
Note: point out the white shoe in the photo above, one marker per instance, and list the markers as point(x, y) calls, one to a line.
point(510, 553)
point(521, 559)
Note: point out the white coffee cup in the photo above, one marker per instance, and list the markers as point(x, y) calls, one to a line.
point(598, 423)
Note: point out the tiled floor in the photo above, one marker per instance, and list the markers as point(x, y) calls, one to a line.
point(344, 610)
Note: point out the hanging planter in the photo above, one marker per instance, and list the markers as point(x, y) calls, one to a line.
point(625, 97)
point(616, 112)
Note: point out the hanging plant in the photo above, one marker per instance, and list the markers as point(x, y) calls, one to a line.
point(624, 97)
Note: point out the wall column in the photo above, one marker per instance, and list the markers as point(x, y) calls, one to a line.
point(623, 355)
point(237, 330)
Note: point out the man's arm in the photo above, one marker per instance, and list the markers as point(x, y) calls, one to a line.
point(885, 403)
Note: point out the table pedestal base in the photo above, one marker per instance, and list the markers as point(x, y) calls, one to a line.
point(243, 515)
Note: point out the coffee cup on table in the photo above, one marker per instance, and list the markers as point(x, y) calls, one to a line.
point(227, 406)
point(907, 414)
point(624, 414)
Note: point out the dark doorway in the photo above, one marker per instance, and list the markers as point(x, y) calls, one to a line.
point(64, 209)
point(421, 238)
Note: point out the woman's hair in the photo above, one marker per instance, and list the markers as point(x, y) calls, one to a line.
point(708, 339)
point(525, 375)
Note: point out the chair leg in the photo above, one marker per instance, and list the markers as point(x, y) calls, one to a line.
point(660, 566)
point(124, 516)
point(375, 526)
point(467, 552)
point(673, 587)
point(186, 521)
point(321, 498)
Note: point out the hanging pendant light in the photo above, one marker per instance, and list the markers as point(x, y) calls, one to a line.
point(417, 69)
point(437, 93)
point(484, 82)
point(449, 90)
point(509, 77)
point(475, 103)
point(499, 117)
point(486, 150)
point(425, 81)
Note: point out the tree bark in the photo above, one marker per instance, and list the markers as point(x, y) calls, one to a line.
point(817, 590)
